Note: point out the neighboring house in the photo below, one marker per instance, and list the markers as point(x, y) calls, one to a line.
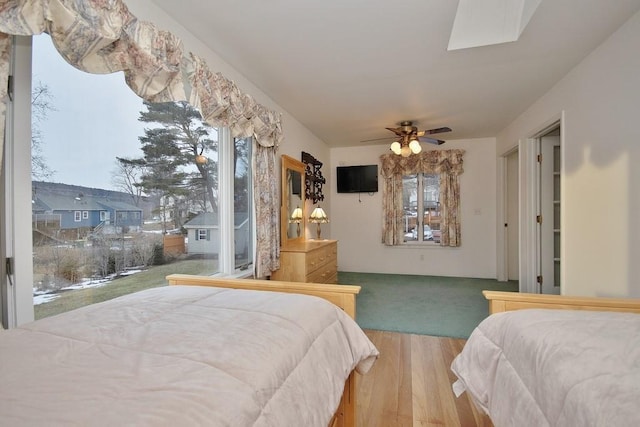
point(203, 234)
point(84, 214)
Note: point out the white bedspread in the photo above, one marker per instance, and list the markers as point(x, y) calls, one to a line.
point(554, 368)
point(183, 355)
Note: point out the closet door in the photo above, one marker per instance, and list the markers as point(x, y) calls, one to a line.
point(549, 213)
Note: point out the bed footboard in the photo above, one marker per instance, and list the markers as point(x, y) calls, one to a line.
point(344, 296)
point(507, 301)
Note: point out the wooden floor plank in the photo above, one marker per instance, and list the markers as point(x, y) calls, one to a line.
point(410, 384)
point(382, 407)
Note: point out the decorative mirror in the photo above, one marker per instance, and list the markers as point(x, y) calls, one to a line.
point(292, 218)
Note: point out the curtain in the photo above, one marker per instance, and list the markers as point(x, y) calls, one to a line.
point(102, 36)
point(446, 163)
point(5, 57)
point(265, 191)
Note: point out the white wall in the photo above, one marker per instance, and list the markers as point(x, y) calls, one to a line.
point(297, 138)
point(357, 219)
point(601, 179)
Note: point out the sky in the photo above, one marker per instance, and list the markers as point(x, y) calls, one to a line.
point(95, 120)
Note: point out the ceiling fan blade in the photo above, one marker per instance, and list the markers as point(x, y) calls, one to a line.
point(397, 131)
point(379, 139)
point(432, 140)
point(437, 130)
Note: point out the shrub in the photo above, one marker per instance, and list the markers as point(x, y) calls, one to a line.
point(158, 254)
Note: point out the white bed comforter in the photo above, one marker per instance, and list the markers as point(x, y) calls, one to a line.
point(554, 368)
point(183, 355)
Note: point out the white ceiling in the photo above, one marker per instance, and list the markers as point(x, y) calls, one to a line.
point(346, 69)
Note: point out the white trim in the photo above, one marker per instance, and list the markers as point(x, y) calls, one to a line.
point(17, 189)
point(226, 261)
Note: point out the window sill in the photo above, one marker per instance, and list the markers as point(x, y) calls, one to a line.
point(420, 245)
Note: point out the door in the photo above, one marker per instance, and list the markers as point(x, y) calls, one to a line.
point(512, 215)
point(548, 218)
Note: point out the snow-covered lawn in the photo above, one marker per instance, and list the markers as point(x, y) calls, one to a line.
point(41, 297)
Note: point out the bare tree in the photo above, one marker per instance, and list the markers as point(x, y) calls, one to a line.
point(126, 177)
point(41, 105)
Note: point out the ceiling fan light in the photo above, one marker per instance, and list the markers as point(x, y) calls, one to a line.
point(405, 151)
point(415, 147)
point(395, 147)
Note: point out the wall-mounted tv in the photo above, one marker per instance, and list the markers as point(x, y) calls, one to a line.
point(357, 179)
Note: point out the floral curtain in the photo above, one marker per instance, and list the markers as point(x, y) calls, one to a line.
point(102, 36)
point(446, 163)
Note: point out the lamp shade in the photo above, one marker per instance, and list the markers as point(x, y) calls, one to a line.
point(318, 216)
point(395, 147)
point(296, 215)
point(415, 147)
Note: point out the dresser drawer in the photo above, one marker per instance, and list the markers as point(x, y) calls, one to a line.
point(325, 274)
point(319, 257)
point(309, 261)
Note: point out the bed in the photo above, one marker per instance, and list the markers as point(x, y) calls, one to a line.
point(549, 360)
point(202, 351)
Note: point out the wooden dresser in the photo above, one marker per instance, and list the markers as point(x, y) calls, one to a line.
point(313, 261)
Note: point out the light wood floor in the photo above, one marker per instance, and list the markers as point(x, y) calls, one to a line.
point(410, 384)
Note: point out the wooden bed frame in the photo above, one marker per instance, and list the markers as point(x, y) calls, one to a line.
point(507, 301)
point(344, 296)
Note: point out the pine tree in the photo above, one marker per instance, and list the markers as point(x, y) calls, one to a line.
point(169, 156)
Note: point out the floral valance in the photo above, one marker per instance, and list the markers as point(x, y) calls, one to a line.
point(102, 36)
point(433, 161)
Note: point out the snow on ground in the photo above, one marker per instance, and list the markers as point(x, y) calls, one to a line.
point(41, 297)
point(44, 298)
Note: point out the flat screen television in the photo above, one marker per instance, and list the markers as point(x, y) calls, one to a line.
point(357, 179)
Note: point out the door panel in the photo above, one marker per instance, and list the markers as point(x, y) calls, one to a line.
point(549, 206)
point(513, 220)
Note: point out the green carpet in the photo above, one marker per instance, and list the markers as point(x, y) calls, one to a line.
point(425, 305)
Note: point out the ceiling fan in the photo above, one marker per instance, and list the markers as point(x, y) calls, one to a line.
point(408, 138)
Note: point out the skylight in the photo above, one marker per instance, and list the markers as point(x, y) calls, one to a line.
point(487, 22)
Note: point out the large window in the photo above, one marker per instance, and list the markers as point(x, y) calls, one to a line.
point(125, 187)
point(421, 208)
point(421, 198)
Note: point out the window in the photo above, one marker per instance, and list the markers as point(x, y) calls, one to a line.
point(242, 204)
point(202, 234)
point(421, 208)
point(421, 198)
point(99, 249)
